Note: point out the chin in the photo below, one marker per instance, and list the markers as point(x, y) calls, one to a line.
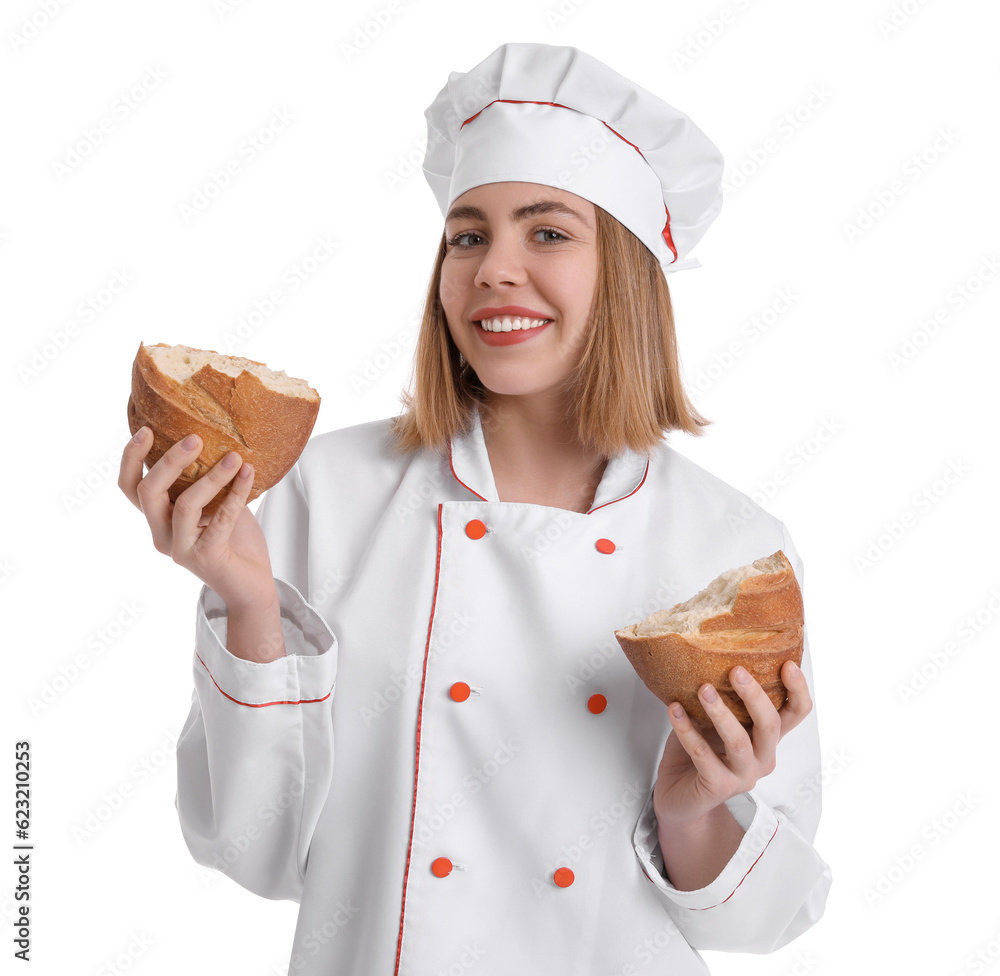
point(512, 384)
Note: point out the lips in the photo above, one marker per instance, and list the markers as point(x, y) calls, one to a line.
point(509, 338)
point(509, 324)
point(508, 310)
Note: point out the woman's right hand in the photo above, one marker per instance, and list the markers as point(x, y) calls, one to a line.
point(228, 551)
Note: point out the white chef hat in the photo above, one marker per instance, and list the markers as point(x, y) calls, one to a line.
point(538, 113)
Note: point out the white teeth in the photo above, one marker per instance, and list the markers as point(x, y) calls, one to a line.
point(508, 324)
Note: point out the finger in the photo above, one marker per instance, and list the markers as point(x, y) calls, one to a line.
point(130, 470)
point(190, 502)
point(154, 499)
point(703, 756)
point(739, 749)
point(799, 703)
point(766, 729)
point(220, 527)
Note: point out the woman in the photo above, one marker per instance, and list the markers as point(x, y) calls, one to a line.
point(411, 714)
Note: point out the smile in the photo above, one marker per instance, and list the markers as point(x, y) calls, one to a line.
point(510, 330)
point(507, 323)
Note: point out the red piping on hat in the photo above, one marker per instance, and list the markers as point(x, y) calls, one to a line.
point(666, 226)
point(667, 237)
point(513, 101)
point(527, 101)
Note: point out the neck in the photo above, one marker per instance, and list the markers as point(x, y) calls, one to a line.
point(536, 424)
point(534, 450)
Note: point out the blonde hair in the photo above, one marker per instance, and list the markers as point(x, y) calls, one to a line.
point(626, 390)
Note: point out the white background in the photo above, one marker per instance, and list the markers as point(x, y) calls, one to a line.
point(876, 116)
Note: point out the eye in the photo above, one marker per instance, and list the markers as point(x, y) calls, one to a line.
point(455, 241)
point(470, 238)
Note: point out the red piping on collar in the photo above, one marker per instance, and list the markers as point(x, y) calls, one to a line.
point(527, 101)
point(451, 465)
point(632, 492)
point(642, 481)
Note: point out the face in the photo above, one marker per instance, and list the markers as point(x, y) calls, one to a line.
point(516, 250)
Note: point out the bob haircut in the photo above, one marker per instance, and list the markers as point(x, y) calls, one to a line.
point(626, 390)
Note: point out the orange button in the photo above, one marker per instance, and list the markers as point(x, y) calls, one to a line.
point(475, 529)
point(606, 546)
point(441, 867)
point(563, 877)
point(597, 703)
point(460, 691)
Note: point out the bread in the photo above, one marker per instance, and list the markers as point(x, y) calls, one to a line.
point(231, 403)
point(751, 616)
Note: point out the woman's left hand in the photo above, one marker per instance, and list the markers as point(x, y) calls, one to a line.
point(699, 771)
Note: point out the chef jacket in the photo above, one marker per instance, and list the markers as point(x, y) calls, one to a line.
point(451, 769)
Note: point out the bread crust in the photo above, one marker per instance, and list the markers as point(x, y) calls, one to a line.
point(768, 601)
point(763, 629)
point(239, 413)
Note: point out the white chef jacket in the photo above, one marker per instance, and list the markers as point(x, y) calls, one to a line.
point(339, 774)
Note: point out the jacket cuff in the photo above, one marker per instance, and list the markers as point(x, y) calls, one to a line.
point(305, 674)
point(760, 824)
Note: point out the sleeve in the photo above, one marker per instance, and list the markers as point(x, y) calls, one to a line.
point(255, 756)
point(775, 886)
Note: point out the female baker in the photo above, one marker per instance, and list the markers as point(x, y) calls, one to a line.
point(411, 713)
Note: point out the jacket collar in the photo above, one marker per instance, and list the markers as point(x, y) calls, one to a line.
point(470, 464)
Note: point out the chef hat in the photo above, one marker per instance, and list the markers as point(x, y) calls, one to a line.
point(538, 113)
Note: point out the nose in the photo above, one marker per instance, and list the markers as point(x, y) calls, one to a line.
point(501, 262)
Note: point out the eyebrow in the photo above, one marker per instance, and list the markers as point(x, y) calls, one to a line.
point(520, 213)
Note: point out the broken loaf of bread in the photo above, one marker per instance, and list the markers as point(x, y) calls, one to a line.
point(750, 616)
point(231, 403)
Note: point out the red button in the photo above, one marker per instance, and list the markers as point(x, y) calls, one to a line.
point(606, 546)
point(475, 529)
point(441, 867)
point(597, 703)
point(460, 691)
point(563, 877)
